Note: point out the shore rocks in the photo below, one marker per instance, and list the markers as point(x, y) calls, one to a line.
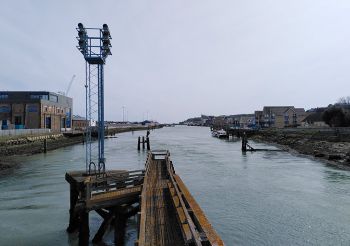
point(323, 145)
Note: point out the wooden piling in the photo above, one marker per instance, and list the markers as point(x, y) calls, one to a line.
point(244, 143)
point(120, 226)
point(139, 143)
point(84, 230)
point(45, 145)
point(148, 144)
point(73, 216)
point(143, 142)
point(101, 231)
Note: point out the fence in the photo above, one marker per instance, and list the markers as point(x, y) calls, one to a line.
point(19, 132)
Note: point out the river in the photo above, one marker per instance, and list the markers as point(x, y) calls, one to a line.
point(262, 198)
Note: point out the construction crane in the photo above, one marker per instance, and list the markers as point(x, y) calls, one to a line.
point(70, 84)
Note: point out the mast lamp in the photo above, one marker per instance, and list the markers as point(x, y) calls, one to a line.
point(96, 46)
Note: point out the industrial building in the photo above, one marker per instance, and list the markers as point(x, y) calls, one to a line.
point(78, 122)
point(35, 109)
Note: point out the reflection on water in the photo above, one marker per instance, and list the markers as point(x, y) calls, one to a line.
point(262, 198)
point(333, 175)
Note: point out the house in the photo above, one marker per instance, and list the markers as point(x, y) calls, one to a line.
point(246, 120)
point(314, 119)
point(259, 118)
point(282, 116)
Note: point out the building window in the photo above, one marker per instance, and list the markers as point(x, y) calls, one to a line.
point(5, 109)
point(53, 98)
point(4, 96)
point(295, 119)
point(18, 120)
point(44, 97)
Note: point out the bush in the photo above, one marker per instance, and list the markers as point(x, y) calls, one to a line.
point(336, 117)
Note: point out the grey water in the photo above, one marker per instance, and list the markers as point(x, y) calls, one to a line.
point(262, 198)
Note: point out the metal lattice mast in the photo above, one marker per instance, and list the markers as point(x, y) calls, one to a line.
point(95, 49)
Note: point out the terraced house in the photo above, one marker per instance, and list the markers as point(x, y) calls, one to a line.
point(281, 116)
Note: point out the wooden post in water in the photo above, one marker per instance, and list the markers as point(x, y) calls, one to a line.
point(244, 142)
point(45, 145)
point(73, 216)
point(139, 143)
point(143, 142)
point(120, 226)
point(101, 231)
point(84, 231)
point(148, 144)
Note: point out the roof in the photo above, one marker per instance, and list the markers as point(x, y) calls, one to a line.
point(277, 110)
point(313, 117)
point(78, 117)
point(298, 111)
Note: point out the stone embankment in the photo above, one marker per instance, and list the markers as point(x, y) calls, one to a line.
point(331, 145)
point(28, 145)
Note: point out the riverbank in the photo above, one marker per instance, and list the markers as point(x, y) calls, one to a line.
point(328, 145)
point(29, 145)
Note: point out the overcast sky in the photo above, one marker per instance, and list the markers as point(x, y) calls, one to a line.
point(178, 59)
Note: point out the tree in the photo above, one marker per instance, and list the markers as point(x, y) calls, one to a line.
point(336, 117)
point(344, 100)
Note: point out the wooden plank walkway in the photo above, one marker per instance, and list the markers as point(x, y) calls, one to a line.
point(158, 225)
point(169, 213)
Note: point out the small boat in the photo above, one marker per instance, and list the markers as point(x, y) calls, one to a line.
point(221, 133)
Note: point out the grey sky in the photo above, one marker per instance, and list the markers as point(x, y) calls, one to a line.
point(178, 59)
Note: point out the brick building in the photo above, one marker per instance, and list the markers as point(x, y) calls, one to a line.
point(35, 109)
point(79, 122)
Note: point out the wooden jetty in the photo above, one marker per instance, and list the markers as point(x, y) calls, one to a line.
point(166, 211)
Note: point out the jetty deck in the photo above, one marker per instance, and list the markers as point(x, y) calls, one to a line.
point(166, 211)
point(158, 224)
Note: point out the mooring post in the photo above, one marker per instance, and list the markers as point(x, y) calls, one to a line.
point(143, 142)
point(139, 143)
point(148, 144)
point(45, 145)
point(73, 217)
point(84, 231)
point(244, 142)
